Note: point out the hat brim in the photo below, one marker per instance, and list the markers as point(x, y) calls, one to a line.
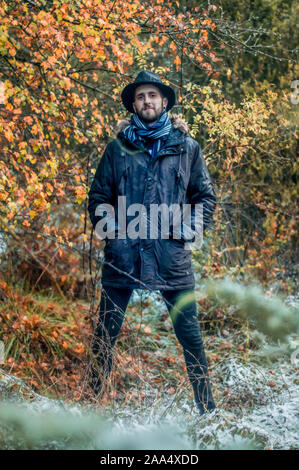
point(128, 94)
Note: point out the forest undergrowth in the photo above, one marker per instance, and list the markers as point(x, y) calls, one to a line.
point(252, 367)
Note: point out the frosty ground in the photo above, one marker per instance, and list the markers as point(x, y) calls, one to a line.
point(254, 413)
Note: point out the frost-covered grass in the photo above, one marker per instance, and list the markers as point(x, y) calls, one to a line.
point(254, 378)
point(256, 415)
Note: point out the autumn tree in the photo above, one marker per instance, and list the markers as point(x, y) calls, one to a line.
point(63, 65)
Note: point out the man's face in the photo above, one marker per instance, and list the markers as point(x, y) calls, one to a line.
point(149, 103)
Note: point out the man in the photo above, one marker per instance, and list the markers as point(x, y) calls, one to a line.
point(152, 162)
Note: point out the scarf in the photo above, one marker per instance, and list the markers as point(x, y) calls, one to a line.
point(138, 131)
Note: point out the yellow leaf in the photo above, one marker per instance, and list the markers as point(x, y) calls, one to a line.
point(32, 214)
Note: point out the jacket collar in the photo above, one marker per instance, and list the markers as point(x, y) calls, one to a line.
point(175, 138)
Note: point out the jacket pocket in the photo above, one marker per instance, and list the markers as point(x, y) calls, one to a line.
point(118, 253)
point(173, 259)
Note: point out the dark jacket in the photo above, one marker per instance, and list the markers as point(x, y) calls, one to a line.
point(177, 174)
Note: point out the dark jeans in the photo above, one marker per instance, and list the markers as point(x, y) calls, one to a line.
point(112, 309)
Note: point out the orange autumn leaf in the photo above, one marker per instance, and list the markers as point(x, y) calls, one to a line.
point(8, 134)
point(177, 62)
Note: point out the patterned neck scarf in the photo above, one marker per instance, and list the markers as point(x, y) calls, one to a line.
point(138, 131)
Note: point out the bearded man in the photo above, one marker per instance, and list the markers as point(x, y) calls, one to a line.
point(152, 162)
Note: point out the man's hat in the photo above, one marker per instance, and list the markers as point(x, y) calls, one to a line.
point(146, 78)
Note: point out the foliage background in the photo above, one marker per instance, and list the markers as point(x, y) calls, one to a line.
point(63, 64)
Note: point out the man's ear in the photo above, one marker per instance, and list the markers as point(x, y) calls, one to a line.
point(165, 103)
point(134, 107)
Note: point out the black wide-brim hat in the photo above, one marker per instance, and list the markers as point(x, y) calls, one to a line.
point(146, 78)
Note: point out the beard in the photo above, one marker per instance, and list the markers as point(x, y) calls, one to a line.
point(149, 118)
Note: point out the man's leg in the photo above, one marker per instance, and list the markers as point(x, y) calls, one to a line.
point(186, 327)
point(112, 309)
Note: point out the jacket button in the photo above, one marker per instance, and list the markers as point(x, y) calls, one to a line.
point(141, 249)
